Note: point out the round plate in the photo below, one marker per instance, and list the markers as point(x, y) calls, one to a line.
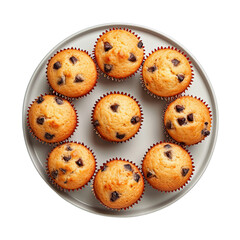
point(134, 150)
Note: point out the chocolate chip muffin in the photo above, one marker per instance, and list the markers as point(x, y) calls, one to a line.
point(72, 73)
point(118, 184)
point(71, 165)
point(117, 117)
point(187, 120)
point(119, 53)
point(52, 119)
point(167, 167)
point(166, 72)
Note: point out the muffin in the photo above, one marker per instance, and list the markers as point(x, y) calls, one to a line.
point(72, 73)
point(166, 72)
point(167, 167)
point(187, 120)
point(119, 53)
point(52, 119)
point(117, 117)
point(118, 184)
point(71, 165)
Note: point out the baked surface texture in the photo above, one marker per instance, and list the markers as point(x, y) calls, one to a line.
point(166, 72)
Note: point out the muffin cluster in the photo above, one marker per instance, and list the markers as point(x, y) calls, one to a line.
point(117, 117)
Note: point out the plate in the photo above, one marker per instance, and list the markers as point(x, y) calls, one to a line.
point(134, 150)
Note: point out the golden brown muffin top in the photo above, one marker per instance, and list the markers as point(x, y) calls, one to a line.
point(71, 165)
point(166, 72)
point(118, 184)
point(119, 53)
point(167, 166)
point(72, 73)
point(52, 119)
point(117, 117)
point(187, 120)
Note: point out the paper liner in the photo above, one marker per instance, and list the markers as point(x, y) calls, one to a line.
point(125, 208)
point(64, 96)
point(172, 140)
point(190, 177)
point(103, 73)
point(122, 93)
point(170, 97)
point(52, 180)
point(40, 140)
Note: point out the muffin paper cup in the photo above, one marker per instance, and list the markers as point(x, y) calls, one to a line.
point(61, 95)
point(103, 73)
point(118, 209)
point(169, 138)
point(66, 189)
point(40, 140)
point(189, 179)
point(126, 94)
point(170, 97)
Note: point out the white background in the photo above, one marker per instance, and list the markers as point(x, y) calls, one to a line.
point(30, 209)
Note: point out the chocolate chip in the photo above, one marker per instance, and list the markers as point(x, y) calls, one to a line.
point(175, 62)
point(79, 162)
point(61, 80)
point(168, 154)
point(40, 120)
point(40, 100)
point(167, 146)
point(120, 136)
point(68, 148)
point(78, 78)
point(135, 119)
point(49, 136)
point(179, 108)
point(63, 170)
point(54, 174)
point(152, 69)
point(132, 58)
point(73, 59)
point(108, 67)
point(205, 132)
point(169, 125)
point(58, 100)
point(67, 158)
point(150, 175)
point(180, 77)
point(104, 167)
point(107, 46)
point(140, 44)
point(96, 123)
point(57, 65)
point(65, 182)
point(190, 117)
point(114, 196)
point(136, 177)
point(185, 171)
point(181, 121)
point(114, 107)
point(128, 167)
point(206, 123)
